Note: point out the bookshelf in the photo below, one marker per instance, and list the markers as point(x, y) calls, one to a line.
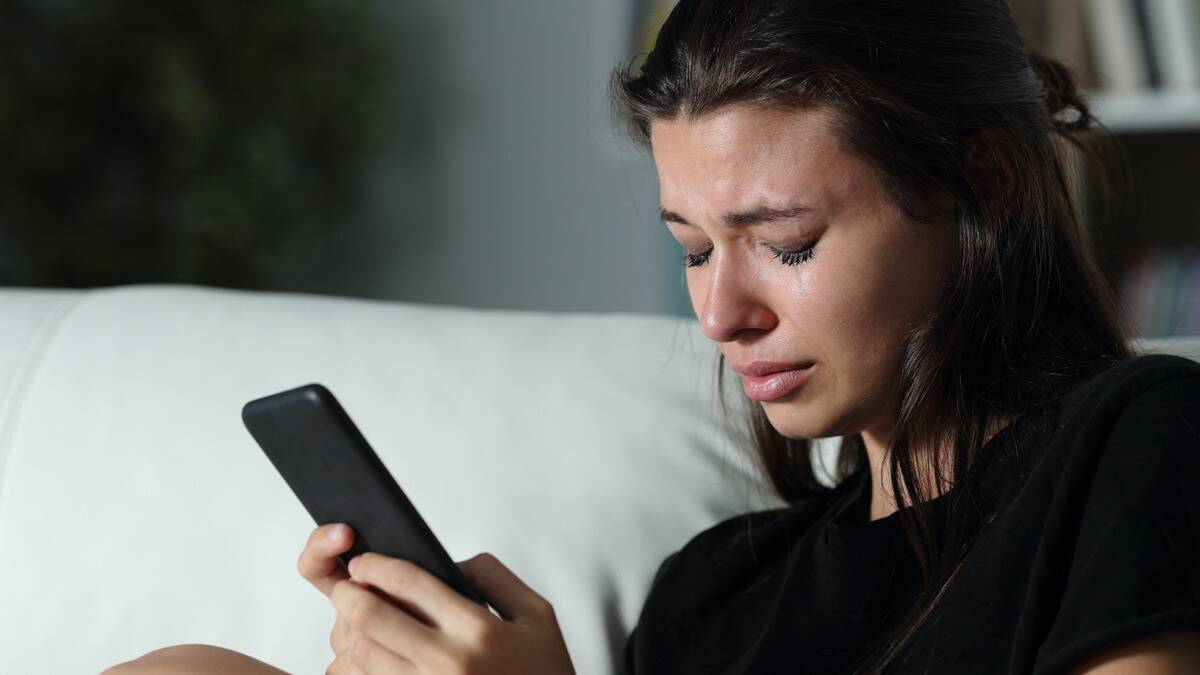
point(1149, 240)
point(1138, 66)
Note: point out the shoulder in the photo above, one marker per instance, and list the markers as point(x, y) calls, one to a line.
point(1153, 428)
point(1137, 429)
point(734, 550)
point(1160, 392)
point(1133, 378)
point(692, 585)
point(721, 540)
point(1147, 399)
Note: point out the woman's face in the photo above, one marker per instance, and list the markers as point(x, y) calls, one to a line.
point(744, 183)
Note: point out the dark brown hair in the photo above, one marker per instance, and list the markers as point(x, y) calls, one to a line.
point(937, 95)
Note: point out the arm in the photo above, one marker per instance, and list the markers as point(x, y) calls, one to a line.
point(1173, 652)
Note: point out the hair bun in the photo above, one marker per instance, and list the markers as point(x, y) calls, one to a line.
point(1061, 93)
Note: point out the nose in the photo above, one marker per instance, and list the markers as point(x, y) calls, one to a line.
point(733, 303)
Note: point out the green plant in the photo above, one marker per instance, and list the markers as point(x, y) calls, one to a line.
point(182, 142)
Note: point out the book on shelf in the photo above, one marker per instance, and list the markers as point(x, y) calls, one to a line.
point(1118, 46)
point(1144, 45)
point(1067, 39)
point(1160, 292)
point(1174, 36)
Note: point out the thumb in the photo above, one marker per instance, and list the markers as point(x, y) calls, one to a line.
point(511, 597)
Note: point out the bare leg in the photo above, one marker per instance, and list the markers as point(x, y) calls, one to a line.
point(197, 659)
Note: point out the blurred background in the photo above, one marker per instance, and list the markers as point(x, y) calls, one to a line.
point(460, 152)
point(448, 152)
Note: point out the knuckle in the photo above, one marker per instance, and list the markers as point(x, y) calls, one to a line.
point(362, 609)
point(360, 651)
point(455, 662)
point(335, 636)
point(402, 575)
point(303, 566)
point(543, 608)
point(337, 593)
point(342, 595)
point(345, 637)
point(482, 636)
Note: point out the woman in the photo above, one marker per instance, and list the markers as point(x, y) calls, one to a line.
point(879, 237)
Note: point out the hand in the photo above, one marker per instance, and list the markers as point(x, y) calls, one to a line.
point(394, 617)
point(408, 621)
point(319, 562)
point(320, 565)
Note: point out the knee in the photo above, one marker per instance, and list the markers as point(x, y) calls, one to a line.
point(157, 660)
point(185, 658)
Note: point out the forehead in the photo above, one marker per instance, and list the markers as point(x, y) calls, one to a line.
point(748, 155)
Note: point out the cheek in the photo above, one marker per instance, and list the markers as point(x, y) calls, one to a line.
point(854, 314)
point(866, 311)
point(697, 288)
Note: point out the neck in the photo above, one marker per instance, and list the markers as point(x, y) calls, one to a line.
point(883, 494)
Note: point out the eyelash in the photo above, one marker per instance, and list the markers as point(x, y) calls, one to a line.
point(785, 256)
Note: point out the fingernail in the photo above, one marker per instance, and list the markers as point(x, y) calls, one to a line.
point(353, 562)
point(335, 533)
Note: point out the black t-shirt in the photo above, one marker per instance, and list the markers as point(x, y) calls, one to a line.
point(1100, 542)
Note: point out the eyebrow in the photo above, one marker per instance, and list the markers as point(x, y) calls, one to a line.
point(756, 216)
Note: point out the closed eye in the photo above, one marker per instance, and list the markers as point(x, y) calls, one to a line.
point(788, 257)
point(792, 256)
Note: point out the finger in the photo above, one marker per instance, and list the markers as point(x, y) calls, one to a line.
point(319, 562)
point(341, 637)
point(504, 590)
point(416, 589)
point(374, 616)
point(374, 659)
point(342, 664)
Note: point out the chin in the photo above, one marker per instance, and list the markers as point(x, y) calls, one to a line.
point(789, 421)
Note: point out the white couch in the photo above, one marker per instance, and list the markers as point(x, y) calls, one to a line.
point(136, 512)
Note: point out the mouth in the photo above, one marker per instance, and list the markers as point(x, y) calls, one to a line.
point(758, 368)
point(773, 385)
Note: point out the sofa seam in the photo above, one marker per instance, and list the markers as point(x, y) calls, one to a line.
point(23, 376)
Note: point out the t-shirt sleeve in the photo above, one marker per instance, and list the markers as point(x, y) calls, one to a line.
point(1135, 568)
point(629, 655)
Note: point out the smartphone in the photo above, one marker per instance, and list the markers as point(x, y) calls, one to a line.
point(339, 479)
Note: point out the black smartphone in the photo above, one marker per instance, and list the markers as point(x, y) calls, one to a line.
point(338, 478)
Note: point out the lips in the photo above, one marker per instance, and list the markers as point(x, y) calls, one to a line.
point(767, 367)
point(776, 380)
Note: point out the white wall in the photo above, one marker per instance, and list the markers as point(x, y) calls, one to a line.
point(516, 189)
